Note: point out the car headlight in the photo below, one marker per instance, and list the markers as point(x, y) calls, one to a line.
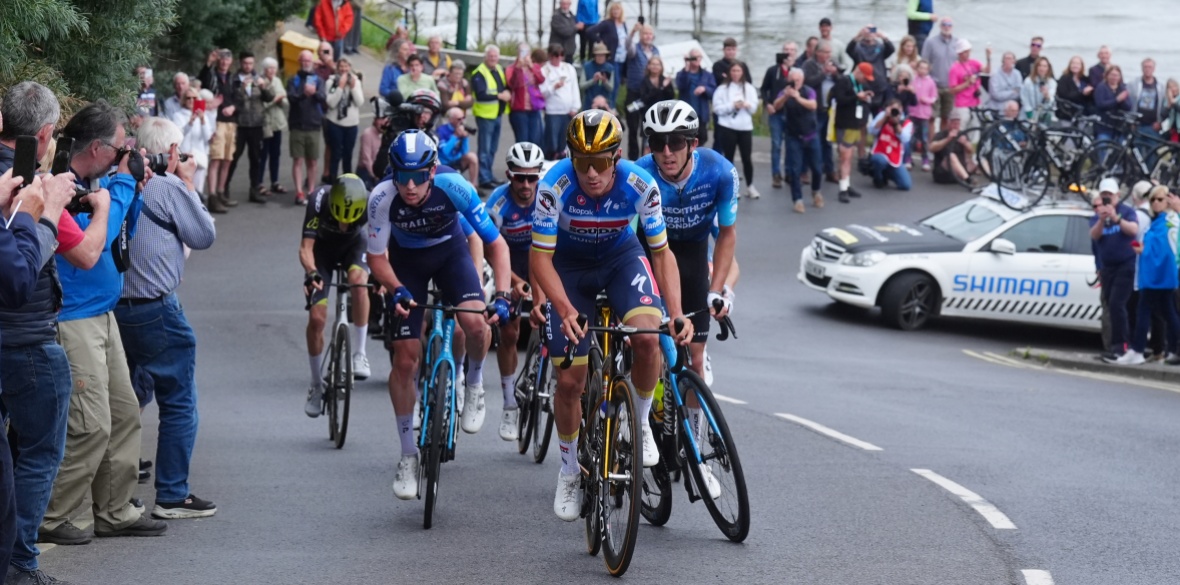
point(864, 259)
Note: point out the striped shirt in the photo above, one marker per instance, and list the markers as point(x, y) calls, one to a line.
point(157, 253)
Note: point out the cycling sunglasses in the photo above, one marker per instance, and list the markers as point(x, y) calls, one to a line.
point(404, 177)
point(674, 142)
point(583, 164)
point(524, 177)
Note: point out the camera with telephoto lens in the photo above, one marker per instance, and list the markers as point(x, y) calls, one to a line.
point(635, 106)
point(158, 163)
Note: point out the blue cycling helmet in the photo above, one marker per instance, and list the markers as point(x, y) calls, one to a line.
point(413, 150)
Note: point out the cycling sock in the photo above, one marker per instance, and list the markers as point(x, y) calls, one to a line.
point(474, 372)
point(569, 455)
point(405, 432)
point(508, 384)
point(845, 183)
point(643, 406)
point(317, 372)
point(696, 417)
point(359, 334)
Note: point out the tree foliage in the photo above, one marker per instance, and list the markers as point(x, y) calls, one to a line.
point(87, 49)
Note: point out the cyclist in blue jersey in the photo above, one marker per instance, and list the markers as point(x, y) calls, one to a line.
point(334, 236)
point(511, 208)
point(583, 244)
point(699, 189)
point(415, 217)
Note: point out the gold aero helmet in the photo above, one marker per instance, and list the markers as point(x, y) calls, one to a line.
point(594, 132)
point(348, 199)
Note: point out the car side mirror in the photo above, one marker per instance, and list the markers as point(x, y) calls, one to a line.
point(1002, 246)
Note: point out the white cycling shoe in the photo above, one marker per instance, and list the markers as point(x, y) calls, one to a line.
point(405, 482)
point(711, 484)
point(473, 409)
point(651, 453)
point(315, 402)
point(567, 504)
point(508, 422)
point(360, 367)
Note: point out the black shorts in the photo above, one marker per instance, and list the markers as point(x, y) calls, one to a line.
point(348, 255)
point(692, 258)
point(448, 264)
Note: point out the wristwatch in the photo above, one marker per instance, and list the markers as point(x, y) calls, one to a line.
point(502, 295)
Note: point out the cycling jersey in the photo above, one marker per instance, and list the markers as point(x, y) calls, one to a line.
point(516, 225)
point(584, 229)
point(433, 222)
point(711, 191)
point(318, 223)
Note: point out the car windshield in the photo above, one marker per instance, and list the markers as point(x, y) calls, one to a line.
point(965, 222)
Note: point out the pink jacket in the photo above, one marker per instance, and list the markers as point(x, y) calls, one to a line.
point(927, 92)
point(959, 73)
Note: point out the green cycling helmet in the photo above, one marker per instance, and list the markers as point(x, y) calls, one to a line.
point(348, 199)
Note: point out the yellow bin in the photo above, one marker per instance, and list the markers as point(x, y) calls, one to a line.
point(290, 45)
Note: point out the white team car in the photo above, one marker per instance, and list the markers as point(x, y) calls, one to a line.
point(977, 259)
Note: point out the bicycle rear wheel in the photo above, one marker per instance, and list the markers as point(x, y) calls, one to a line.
point(438, 431)
point(620, 476)
point(543, 415)
point(655, 502)
point(1024, 178)
point(590, 451)
point(526, 396)
point(718, 454)
point(1104, 158)
point(342, 393)
point(331, 382)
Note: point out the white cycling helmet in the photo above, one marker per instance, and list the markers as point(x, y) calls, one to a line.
point(525, 155)
point(670, 117)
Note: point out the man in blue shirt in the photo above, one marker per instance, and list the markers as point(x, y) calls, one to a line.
point(696, 86)
point(103, 438)
point(1112, 229)
point(587, 17)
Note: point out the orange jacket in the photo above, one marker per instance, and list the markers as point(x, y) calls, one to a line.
point(332, 24)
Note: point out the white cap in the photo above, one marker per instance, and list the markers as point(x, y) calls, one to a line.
point(1140, 190)
point(962, 45)
point(1109, 185)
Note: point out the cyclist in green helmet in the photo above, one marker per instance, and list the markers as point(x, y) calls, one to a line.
point(333, 237)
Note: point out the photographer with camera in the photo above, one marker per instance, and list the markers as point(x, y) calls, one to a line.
point(797, 103)
point(1113, 228)
point(251, 92)
point(454, 150)
point(773, 83)
point(965, 79)
point(418, 112)
point(34, 371)
point(563, 100)
point(102, 443)
point(155, 333)
point(893, 130)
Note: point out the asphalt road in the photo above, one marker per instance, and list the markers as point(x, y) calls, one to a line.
point(1081, 467)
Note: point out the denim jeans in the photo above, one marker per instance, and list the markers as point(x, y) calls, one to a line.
point(800, 152)
point(555, 127)
point(825, 147)
point(157, 337)
point(526, 126)
point(777, 123)
point(489, 141)
point(341, 142)
point(37, 384)
point(883, 173)
point(272, 148)
point(1156, 302)
point(1117, 282)
point(921, 136)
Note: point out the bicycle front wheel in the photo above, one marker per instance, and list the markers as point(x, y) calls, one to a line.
point(718, 457)
point(620, 476)
point(526, 396)
point(546, 389)
point(438, 430)
point(342, 394)
point(590, 448)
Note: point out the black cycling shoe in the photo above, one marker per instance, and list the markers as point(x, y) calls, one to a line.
point(843, 197)
point(853, 193)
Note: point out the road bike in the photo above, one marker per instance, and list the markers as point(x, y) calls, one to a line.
point(685, 454)
point(1130, 157)
point(438, 399)
point(338, 369)
point(535, 388)
point(610, 448)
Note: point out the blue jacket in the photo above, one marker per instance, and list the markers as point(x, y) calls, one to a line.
point(637, 67)
point(451, 148)
point(389, 77)
point(588, 12)
point(1157, 263)
point(589, 68)
point(608, 34)
point(687, 82)
point(94, 292)
point(1106, 102)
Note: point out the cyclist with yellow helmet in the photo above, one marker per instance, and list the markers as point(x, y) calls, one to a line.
point(334, 236)
point(583, 244)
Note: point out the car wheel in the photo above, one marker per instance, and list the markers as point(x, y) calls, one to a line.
point(909, 301)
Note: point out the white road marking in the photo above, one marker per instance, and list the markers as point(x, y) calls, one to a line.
point(1015, 363)
point(821, 429)
point(728, 399)
point(989, 512)
point(1037, 577)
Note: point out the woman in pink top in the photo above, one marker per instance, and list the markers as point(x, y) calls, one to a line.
point(524, 81)
point(963, 79)
point(926, 91)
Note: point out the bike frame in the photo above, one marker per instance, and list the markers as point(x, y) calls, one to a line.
point(442, 327)
point(668, 345)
